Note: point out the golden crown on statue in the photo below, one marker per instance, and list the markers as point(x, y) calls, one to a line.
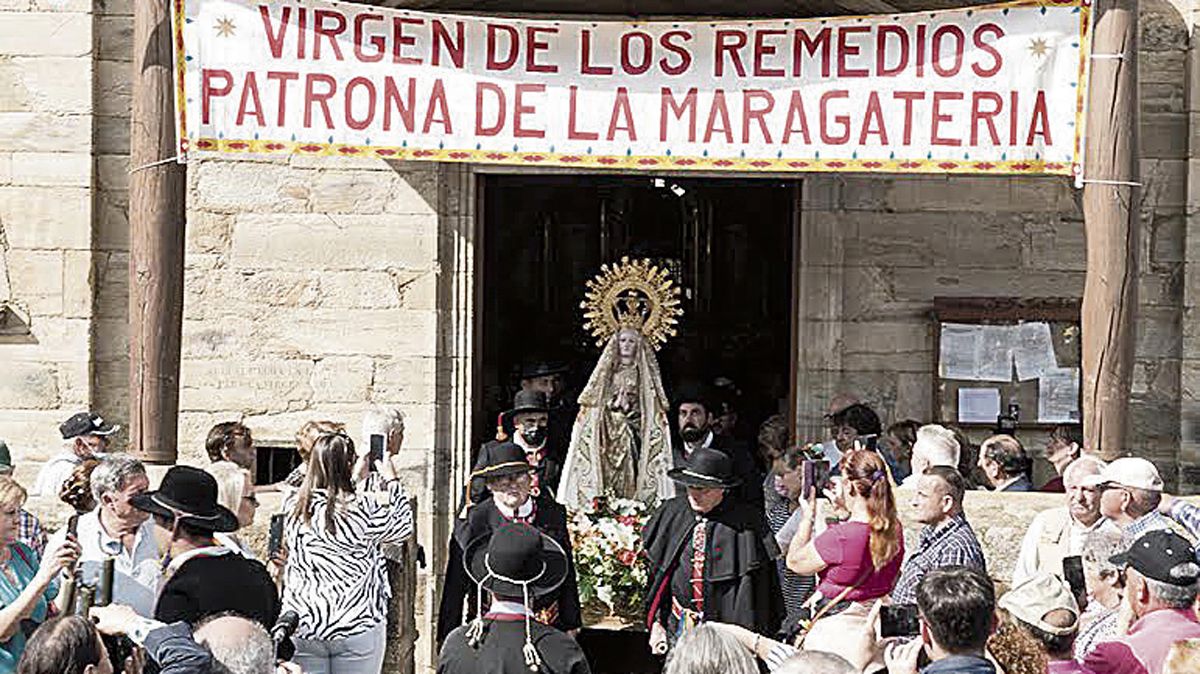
point(633, 294)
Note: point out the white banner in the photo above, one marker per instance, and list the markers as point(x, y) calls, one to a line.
point(996, 89)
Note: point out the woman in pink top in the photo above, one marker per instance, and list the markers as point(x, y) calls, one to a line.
point(858, 560)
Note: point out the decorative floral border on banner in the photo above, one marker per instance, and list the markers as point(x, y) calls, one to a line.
point(661, 162)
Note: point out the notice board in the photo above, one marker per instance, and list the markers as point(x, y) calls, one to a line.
point(991, 352)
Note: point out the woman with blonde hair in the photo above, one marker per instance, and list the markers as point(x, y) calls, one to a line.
point(235, 491)
point(855, 561)
point(306, 437)
point(26, 585)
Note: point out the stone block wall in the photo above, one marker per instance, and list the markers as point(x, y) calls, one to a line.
point(317, 287)
point(47, 121)
point(877, 250)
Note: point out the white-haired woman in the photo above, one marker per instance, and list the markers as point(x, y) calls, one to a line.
point(235, 491)
point(388, 423)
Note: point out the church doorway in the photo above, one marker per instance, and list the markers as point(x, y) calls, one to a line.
point(730, 244)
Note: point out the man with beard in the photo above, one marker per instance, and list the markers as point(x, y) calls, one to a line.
point(508, 477)
point(711, 556)
point(695, 416)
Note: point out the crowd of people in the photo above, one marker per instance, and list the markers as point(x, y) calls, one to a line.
point(793, 558)
point(160, 580)
point(788, 559)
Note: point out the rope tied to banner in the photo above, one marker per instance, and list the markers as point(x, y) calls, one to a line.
point(177, 158)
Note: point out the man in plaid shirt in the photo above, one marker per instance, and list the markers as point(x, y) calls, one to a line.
point(1131, 493)
point(29, 531)
point(946, 540)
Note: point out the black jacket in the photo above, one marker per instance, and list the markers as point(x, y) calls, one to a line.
point(741, 582)
point(549, 472)
point(208, 585)
point(500, 651)
point(550, 518)
point(744, 466)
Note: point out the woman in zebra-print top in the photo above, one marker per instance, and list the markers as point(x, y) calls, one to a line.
point(335, 577)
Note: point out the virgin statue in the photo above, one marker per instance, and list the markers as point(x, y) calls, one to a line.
point(620, 444)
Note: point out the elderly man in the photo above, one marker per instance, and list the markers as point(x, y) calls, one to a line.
point(505, 471)
point(946, 540)
point(1130, 493)
point(711, 556)
point(1003, 460)
point(225, 643)
point(85, 436)
point(1063, 532)
point(935, 446)
point(118, 530)
point(1160, 590)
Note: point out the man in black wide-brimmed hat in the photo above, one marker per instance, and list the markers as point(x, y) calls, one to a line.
point(521, 569)
point(508, 477)
point(204, 578)
point(527, 425)
point(712, 556)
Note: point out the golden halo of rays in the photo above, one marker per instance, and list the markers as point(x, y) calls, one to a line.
point(632, 294)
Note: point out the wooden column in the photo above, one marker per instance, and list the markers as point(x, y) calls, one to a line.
point(1110, 211)
point(156, 223)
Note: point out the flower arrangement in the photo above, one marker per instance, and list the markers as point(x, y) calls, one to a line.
point(609, 561)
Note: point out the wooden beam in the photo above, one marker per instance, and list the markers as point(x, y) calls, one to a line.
point(1110, 212)
point(156, 224)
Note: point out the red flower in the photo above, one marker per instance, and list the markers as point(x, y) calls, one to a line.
point(627, 557)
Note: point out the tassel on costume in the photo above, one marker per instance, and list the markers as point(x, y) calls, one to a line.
point(501, 436)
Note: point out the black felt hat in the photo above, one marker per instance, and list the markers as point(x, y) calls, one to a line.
point(500, 460)
point(513, 555)
point(706, 468)
point(542, 368)
point(528, 401)
point(189, 494)
point(696, 392)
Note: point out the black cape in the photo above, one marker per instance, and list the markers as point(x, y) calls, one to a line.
point(209, 585)
point(744, 467)
point(550, 518)
point(500, 651)
point(549, 472)
point(741, 582)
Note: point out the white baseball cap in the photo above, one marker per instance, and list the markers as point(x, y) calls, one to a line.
point(1129, 471)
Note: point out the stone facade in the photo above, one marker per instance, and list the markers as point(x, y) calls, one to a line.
point(318, 286)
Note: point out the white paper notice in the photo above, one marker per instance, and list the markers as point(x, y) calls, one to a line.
point(995, 352)
point(978, 405)
point(1034, 351)
point(1058, 396)
point(959, 346)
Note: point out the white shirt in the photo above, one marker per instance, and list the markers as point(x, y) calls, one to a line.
point(206, 551)
point(56, 471)
point(234, 544)
point(135, 574)
point(523, 511)
point(1077, 534)
point(689, 447)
